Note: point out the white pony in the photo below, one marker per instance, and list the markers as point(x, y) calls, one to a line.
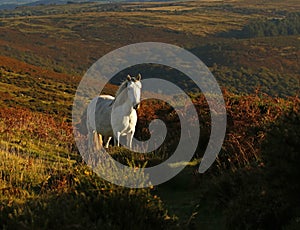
point(109, 116)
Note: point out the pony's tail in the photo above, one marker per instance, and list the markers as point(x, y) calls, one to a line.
point(82, 126)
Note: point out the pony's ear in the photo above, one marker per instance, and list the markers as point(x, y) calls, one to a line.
point(128, 78)
point(139, 77)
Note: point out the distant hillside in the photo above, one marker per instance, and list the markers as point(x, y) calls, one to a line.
point(9, 5)
point(4, 2)
point(69, 38)
point(59, 2)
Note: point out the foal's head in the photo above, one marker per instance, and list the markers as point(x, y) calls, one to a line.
point(134, 87)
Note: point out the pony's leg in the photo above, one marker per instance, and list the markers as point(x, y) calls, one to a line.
point(129, 139)
point(106, 141)
point(115, 141)
point(97, 140)
point(118, 139)
point(100, 141)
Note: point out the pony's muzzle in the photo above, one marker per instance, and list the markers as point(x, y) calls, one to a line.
point(137, 106)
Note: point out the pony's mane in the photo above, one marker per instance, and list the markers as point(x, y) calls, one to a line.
point(121, 88)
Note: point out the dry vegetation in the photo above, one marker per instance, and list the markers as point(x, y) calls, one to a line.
point(43, 182)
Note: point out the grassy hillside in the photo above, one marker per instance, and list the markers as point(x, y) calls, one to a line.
point(44, 184)
point(253, 184)
point(41, 172)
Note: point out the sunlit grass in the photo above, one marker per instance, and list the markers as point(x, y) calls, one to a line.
point(44, 183)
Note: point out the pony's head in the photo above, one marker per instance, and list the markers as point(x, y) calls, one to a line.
point(134, 87)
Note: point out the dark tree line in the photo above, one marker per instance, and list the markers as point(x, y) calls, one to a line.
point(290, 25)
